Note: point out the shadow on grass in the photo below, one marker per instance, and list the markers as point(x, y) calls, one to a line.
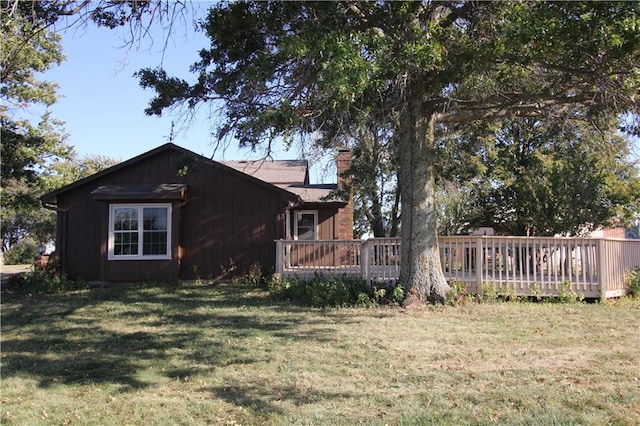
point(118, 335)
point(262, 400)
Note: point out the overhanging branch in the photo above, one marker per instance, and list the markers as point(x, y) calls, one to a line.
point(461, 114)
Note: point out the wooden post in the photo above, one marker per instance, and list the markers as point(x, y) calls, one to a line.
point(279, 259)
point(365, 261)
point(601, 263)
point(478, 264)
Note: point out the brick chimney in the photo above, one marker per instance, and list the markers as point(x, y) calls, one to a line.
point(344, 218)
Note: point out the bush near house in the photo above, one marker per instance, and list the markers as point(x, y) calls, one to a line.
point(633, 281)
point(333, 291)
point(21, 253)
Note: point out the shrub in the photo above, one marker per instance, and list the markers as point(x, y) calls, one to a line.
point(633, 282)
point(44, 280)
point(535, 292)
point(489, 293)
point(566, 294)
point(21, 253)
point(333, 291)
point(508, 295)
point(253, 277)
point(458, 293)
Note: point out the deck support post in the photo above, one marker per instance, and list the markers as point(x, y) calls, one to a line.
point(601, 264)
point(365, 261)
point(478, 264)
point(279, 258)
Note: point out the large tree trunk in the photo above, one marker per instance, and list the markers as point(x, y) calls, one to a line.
point(420, 268)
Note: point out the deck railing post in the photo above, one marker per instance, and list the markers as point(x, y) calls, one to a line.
point(279, 258)
point(601, 263)
point(478, 264)
point(365, 261)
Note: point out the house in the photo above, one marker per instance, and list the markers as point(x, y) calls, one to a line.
point(173, 214)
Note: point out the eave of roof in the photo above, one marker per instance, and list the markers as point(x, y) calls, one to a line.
point(316, 194)
point(164, 191)
point(277, 172)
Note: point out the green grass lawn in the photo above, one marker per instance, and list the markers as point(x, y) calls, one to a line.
point(207, 353)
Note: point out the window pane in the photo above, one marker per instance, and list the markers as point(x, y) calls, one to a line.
point(155, 218)
point(155, 231)
point(306, 226)
point(125, 243)
point(125, 219)
point(154, 243)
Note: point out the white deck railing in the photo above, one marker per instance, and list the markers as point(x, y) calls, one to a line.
point(595, 267)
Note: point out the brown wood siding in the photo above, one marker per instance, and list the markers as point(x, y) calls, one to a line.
point(225, 218)
point(327, 225)
point(234, 225)
point(81, 246)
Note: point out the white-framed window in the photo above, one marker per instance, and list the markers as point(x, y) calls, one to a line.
point(139, 231)
point(306, 225)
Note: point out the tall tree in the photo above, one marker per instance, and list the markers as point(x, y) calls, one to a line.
point(26, 147)
point(61, 173)
point(549, 178)
point(534, 176)
point(314, 67)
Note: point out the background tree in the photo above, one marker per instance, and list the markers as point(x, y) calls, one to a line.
point(26, 147)
point(374, 174)
point(633, 229)
point(314, 67)
point(531, 176)
point(547, 179)
point(31, 45)
point(374, 179)
point(61, 173)
point(457, 208)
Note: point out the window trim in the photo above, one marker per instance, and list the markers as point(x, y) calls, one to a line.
point(140, 207)
point(315, 223)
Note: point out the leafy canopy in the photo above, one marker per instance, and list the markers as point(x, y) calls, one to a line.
point(287, 69)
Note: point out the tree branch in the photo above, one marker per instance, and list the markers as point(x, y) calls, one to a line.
point(517, 109)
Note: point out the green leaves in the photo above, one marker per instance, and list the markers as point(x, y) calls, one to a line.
point(543, 179)
point(332, 69)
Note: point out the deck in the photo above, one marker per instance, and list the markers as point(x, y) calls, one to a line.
point(595, 267)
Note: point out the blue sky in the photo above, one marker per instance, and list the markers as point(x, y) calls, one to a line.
point(102, 104)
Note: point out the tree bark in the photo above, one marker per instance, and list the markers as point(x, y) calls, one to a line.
point(420, 268)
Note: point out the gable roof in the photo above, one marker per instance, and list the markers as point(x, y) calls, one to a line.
point(290, 175)
point(50, 198)
point(318, 193)
point(277, 172)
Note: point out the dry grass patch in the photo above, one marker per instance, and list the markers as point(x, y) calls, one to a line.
point(205, 353)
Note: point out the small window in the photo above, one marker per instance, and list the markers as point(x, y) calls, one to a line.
point(306, 225)
point(140, 231)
